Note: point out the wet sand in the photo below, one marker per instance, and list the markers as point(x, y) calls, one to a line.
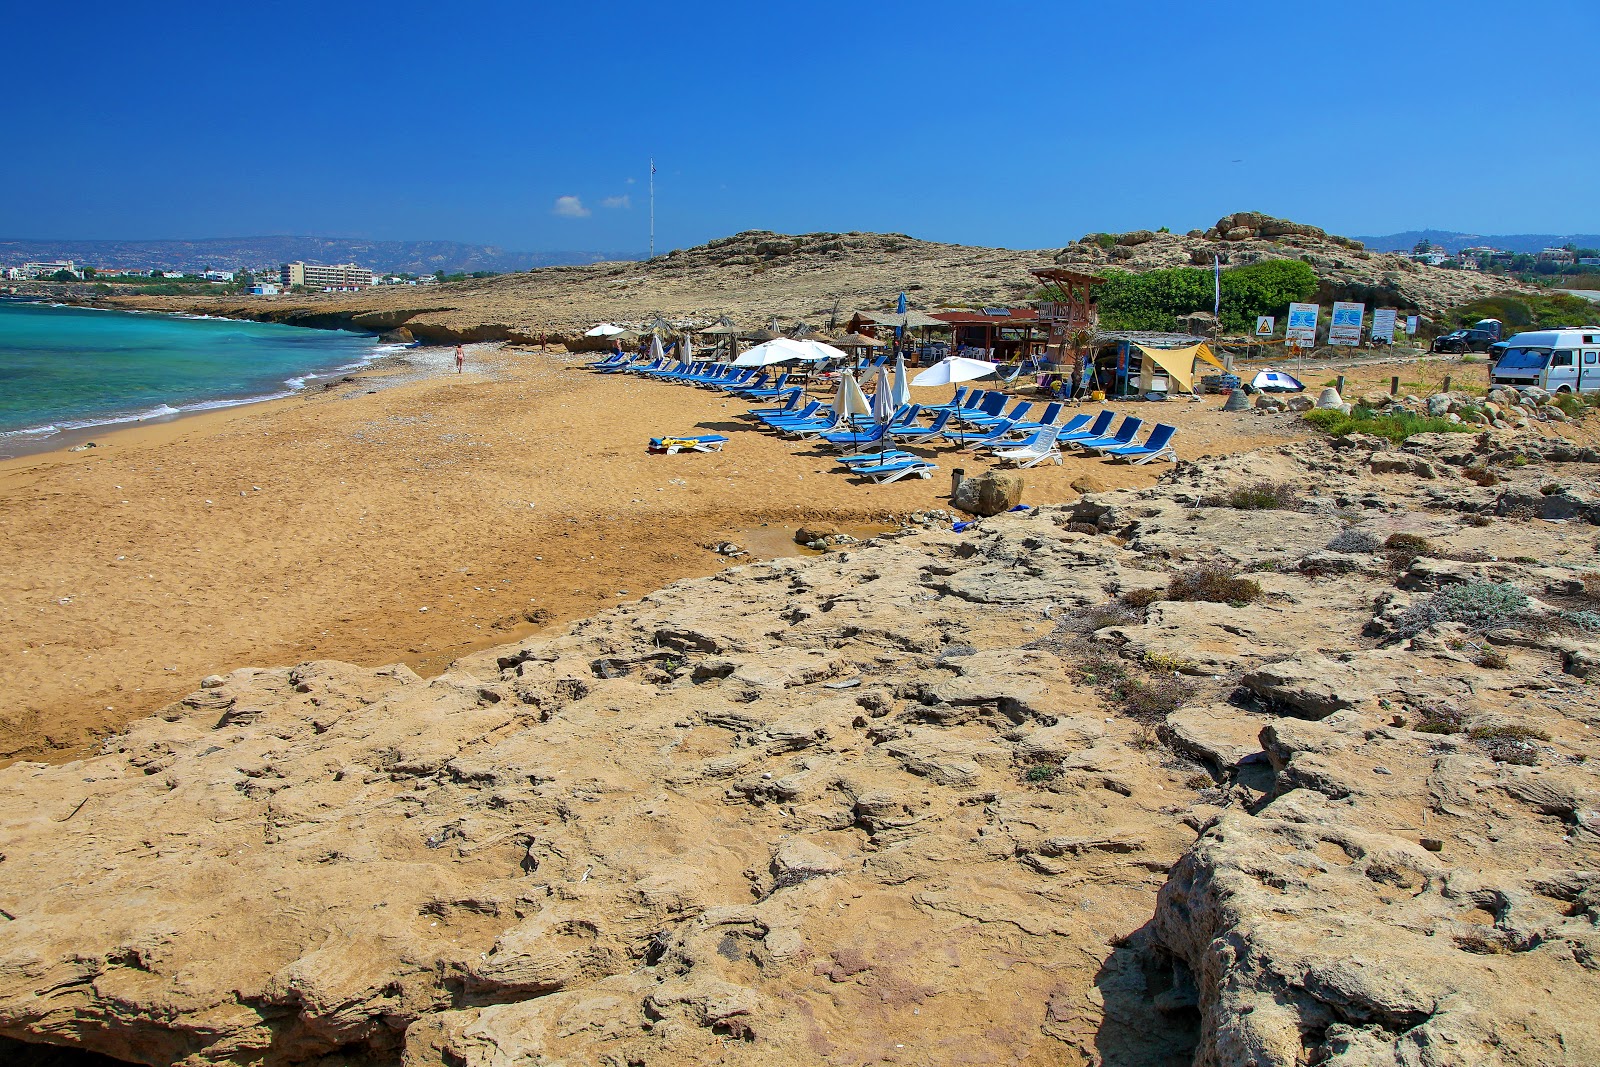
point(412, 515)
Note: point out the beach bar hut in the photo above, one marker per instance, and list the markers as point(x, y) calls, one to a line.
point(1005, 335)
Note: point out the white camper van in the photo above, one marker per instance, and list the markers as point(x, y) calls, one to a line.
point(1561, 361)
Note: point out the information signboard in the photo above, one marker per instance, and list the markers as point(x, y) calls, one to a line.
point(1383, 325)
point(1345, 326)
point(1302, 329)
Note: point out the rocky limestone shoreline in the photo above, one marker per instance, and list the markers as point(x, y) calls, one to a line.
point(1162, 776)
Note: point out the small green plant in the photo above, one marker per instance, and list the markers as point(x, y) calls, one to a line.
point(1214, 583)
point(1508, 732)
point(1169, 664)
point(1493, 659)
point(1587, 622)
point(1570, 404)
point(1396, 427)
point(1041, 773)
point(1479, 606)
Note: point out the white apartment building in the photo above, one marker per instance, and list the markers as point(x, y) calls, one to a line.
point(44, 270)
point(320, 276)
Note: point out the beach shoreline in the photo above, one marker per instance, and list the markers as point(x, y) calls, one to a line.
point(412, 516)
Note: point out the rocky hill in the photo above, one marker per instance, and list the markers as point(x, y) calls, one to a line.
point(1162, 776)
point(823, 277)
point(1346, 269)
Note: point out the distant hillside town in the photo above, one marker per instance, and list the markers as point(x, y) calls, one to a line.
point(266, 255)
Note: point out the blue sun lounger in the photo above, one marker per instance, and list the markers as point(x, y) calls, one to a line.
point(705, 442)
point(893, 472)
point(1131, 425)
point(1102, 423)
point(1157, 446)
point(923, 433)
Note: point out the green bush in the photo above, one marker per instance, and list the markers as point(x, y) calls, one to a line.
point(1395, 428)
point(1524, 311)
point(1154, 299)
point(1571, 405)
point(1479, 606)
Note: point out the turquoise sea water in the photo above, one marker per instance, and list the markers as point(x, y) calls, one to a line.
point(64, 368)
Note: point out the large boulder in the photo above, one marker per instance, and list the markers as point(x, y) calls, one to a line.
point(988, 494)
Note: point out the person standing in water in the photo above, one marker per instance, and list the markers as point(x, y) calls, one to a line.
point(461, 359)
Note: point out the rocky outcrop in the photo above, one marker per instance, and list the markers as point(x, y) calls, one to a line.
point(1346, 269)
point(996, 793)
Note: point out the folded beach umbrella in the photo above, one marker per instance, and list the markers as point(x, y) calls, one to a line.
point(656, 351)
point(850, 400)
point(605, 329)
point(954, 369)
point(686, 352)
point(901, 390)
point(883, 405)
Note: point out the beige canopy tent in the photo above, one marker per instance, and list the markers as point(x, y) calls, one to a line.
point(1175, 364)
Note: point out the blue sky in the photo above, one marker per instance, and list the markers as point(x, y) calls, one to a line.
point(1013, 124)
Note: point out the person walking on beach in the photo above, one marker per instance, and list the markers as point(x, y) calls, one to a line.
point(461, 359)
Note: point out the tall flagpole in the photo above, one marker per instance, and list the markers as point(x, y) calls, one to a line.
point(652, 207)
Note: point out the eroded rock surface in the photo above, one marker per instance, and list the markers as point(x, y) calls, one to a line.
point(944, 798)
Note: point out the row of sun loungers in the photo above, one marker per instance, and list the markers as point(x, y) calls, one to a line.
point(974, 421)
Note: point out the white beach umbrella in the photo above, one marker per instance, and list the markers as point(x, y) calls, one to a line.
point(849, 400)
point(782, 350)
point(953, 369)
point(656, 351)
point(901, 391)
point(605, 329)
point(883, 406)
point(687, 349)
point(825, 351)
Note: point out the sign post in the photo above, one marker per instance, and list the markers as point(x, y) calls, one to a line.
point(1383, 320)
point(1302, 329)
point(1345, 326)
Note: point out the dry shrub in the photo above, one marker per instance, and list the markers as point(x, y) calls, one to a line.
point(1591, 586)
point(1402, 548)
point(1099, 616)
point(1493, 659)
point(1481, 475)
point(1510, 731)
point(1141, 598)
point(1440, 721)
point(1214, 583)
point(1260, 496)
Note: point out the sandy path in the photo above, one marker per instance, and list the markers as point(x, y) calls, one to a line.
point(323, 525)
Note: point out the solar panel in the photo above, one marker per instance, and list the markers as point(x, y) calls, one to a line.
point(1002, 312)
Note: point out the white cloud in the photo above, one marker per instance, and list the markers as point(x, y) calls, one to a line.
point(632, 180)
point(617, 201)
point(570, 207)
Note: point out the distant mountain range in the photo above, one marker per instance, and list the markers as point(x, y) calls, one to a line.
point(1453, 242)
point(233, 253)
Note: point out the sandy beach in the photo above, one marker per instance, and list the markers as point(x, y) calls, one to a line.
point(411, 515)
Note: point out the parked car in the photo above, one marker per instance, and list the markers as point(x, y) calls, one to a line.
point(1473, 340)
